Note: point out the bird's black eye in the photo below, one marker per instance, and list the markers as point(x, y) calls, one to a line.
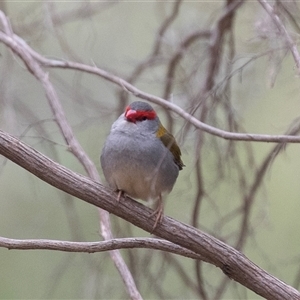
point(141, 118)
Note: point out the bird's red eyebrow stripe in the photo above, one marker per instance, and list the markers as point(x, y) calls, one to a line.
point(132, 114)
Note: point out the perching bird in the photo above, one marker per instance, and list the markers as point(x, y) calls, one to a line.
point(140, 157)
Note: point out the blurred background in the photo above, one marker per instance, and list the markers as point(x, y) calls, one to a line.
point(226, 64)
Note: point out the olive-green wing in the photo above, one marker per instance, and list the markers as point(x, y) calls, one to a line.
point(170, 142)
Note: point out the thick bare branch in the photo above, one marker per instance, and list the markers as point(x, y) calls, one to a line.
point(233, 263)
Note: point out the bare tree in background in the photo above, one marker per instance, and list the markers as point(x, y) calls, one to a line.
point(197, 74)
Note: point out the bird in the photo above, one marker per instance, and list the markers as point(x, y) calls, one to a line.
point(140, 157)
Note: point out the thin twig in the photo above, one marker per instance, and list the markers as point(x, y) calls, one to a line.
point(93, 247)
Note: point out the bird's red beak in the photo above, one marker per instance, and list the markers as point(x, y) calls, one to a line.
point(130, 115)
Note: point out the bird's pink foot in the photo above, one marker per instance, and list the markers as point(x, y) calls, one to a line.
point(120, 193)
point(158, 212)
